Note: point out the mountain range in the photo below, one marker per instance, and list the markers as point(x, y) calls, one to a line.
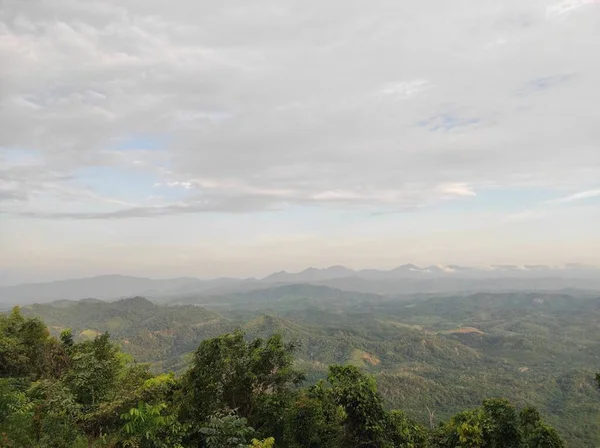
point(405, 279)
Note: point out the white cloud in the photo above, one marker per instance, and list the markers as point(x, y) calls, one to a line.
point(405, 89)
point(568, 6)
point(278, 105)
point(457, 189)
point(576, 197)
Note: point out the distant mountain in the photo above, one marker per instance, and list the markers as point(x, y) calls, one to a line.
point(101, 287)
point(405, 279)
point(279, 294)
point(411, 271)
point(310, 275)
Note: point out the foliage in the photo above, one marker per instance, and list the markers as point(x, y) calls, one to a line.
point(266, 443)
point(229, 373)
point(95, 369)
point(226, 430)
point(445, 353)
point(357, 394)
point(237, 392)
point(314, 419)
point(148, 426)
point(403, 432)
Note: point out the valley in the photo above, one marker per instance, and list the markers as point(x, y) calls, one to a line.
point(438, 352)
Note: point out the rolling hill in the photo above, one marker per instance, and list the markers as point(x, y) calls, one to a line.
point(443, 352)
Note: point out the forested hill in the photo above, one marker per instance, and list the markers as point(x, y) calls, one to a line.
point(445, 354)
point(235, 393)
point(151, 333)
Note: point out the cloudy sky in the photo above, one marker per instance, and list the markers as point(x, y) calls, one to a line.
point(209, 138)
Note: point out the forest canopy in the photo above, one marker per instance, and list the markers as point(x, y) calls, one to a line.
point(235, 393)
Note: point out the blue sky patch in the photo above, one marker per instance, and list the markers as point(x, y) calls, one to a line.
point(126, 184)
point(545, 83)
point(447, 122)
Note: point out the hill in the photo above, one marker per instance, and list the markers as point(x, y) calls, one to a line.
point(151, 333)
point(447, 353)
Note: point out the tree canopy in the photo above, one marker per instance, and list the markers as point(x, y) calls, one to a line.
point(235, 393)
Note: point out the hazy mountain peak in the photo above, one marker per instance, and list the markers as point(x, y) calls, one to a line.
point(433, 278)
point(406, 267)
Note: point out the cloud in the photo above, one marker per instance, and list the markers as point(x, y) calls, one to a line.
point(457, 190)
point(576, 197)
point(232, 108)
point(568, 6)
point(546, 208)
point(405, 89)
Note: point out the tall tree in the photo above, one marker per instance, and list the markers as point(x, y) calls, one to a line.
point(96, 366)
point(226, 430)
point(229, 373)
point(357, 394)
point(500, 424)
point(26, 348)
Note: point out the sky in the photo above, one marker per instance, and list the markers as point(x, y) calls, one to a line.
point(238, 138)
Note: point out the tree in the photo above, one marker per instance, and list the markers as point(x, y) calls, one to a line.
point(66, 337)
point(500, 424)
point(314, 420)
point(56, 414)
point(529, 419)
point(229, 373)
point(496, 424)
point(464, 430)
point(357, 394)
point(265, 443)
point(148, 426)
point(543, 436)
point(402, 432)
point(535, 433)
point(16, 413)
point(26, 348)
point(226, 430)
point(95, 368)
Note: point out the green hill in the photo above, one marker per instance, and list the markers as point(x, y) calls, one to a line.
point(161, 335)
point(444, 354)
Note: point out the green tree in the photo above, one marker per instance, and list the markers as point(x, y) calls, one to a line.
point(229, 373)
point(314, 420)
point(543, 436)
point(26, 348)
point(149, 426)
point(56, 414)
point(496, 424)
point(66, 337)
point(96, 366)
point(16, 413)
point(464, 430)
point(226, 430)
point(529, 420)
point(500, 424)
point(402, 432)
point(356, 393)
point(269, 442)
point(535, 433)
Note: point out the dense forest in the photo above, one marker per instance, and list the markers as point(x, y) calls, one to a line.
point(433, 356)
point(236, 392)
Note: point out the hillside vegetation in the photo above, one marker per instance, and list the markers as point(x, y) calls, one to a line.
point(235, 393)
point(439, 354)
